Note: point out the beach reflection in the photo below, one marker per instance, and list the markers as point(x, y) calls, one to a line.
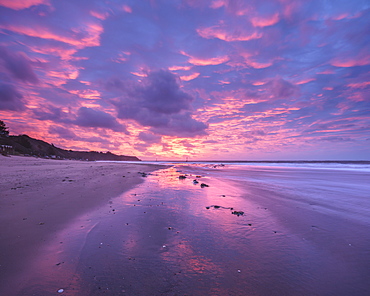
point(169, 236)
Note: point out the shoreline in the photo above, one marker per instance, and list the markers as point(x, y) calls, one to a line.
point(40, 196)
point(301, 231)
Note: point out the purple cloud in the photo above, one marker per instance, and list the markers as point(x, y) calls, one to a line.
point(18, 66)
point(67, 134)
point(49, 113)
point(88, 117)
point(62, 132)
point(281, 89)
point(158, 102)
point(10, 98)
point(149, 138)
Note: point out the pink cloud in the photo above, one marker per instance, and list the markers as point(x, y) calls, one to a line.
point(21, 4)
point(291, 7)
point(257, 65)
point(189, 77)
point(258, 83)
point(222, 34)
point(127, 8)
point(218, 3)
point(63, 53)
point(340, 17)
point(304, 81)
point(176, 68)
point(326, 72)
point(100, 15)
point(265, 21)
point(347, 62)
point(252, 62)
point(90, 31)
point(206, 62)
point(90, 94)
point(139, 74)
point(346, 15)
point(364, 84)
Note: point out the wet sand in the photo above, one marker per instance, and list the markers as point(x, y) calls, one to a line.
point(303, 232)
point(39, 197)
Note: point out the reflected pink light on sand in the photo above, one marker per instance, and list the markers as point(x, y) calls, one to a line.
point(52, 268)
point(191, 263)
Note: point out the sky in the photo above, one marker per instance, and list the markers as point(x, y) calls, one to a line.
point(203, 80)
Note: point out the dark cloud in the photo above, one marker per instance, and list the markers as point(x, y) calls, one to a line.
point(256, 107)
point(335, 139)
point(187, 144)
point(62, 132)
point(88, 117)
point(10, 98)
point(94, 140)
point(149, 138)
point(160, 103)
point(18, 65)
point(163, 95)
point(282, 89)
point(49, 113)
point(182, 125)
point(67, 134)
point(257, 132)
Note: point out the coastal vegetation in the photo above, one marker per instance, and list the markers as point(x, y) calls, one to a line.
point(28, 146)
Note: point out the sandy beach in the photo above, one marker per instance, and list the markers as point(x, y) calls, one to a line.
point(39, 197)
point(81, 228)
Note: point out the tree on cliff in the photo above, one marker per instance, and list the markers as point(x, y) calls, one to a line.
point(3, 129)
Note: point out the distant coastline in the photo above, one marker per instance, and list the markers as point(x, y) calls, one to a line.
point(264, 161)
point(27, 146)
point(286, 161)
